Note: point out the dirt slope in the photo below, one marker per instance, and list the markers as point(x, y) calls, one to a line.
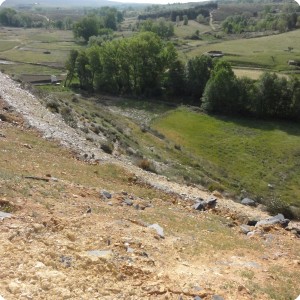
point(68, 239)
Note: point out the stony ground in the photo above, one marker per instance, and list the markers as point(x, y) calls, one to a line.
point(80, 230)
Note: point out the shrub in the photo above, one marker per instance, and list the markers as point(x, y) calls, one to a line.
point(53, 105)
point(107, 147)
point(146, 165)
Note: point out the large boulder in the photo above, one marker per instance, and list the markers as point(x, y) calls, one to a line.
point(278, 219)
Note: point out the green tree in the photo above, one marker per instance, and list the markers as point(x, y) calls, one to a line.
point(175, 82)
point(71, 66)
point(93, 54)
point(221, 94)
point(161, 27)
point(7, 16)
point(110, 21)
point(84, 71)
point(86, 28)
point(185, 20)
point(198, 71)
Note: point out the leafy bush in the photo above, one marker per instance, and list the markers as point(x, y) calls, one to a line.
point(53, 105)
point(146, 165)
point(107, 147)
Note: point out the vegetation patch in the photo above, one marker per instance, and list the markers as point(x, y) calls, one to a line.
point(259, 157)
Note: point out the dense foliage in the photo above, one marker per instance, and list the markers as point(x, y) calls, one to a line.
point(96, 22)
point(12, 18)
point(141, 65)
point(280, 19)
point(269, 97)
point(191, 13)
point(161, 27)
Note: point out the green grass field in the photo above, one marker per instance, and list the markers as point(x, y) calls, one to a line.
point(27, 47)
point(241, 154)
point(183, 31)
point(267, 52)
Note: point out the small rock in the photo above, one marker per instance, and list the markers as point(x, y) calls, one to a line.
point(248, 202)
point(14, 287)
point(199, 206)
point(39, 265)
point(254, 233)
point(197, 298)
point(4, 215)
point(66, 260)
point(71, 236)
point(211, 202)
point(38, 227)
point(1, 298)
point(100, 253)
point(128, 202)
point(217, 297)
point(204, 205)
point(45, 285)
point(89, 210)
point(27, 146)
point(106, 195)
point(158, 229)
point(245, 228)
point(130, 250)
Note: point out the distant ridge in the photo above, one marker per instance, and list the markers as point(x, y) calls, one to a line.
point(59, 3)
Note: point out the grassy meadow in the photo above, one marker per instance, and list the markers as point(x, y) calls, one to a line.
point(266, 52)
point(260, 157)
point(35, 51)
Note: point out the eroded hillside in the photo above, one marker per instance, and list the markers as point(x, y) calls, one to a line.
point(75, 229)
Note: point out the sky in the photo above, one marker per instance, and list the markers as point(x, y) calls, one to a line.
point(157, 2)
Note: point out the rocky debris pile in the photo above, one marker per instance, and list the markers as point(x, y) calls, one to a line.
point(124, 199)
point(51, 125)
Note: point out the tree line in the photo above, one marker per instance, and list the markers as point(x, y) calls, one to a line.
point(287, 19)
point(191, 13)
point(97, 23)
point(11, 18)
point(145, 65)
point(270, 96)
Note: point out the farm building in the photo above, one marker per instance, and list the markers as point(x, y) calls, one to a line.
point(294, 63)
point(214, 53)
point(42, 79)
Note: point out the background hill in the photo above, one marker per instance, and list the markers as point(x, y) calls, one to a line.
point(51, 3)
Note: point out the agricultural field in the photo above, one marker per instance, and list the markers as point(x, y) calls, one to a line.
point(265, 154)
point(35, 51)
point(266, 52)
point(183, 31)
